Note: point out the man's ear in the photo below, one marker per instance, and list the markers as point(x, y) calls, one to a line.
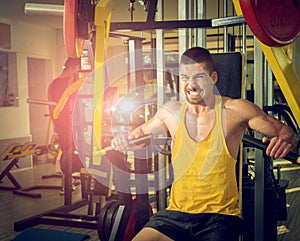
point(214, 76)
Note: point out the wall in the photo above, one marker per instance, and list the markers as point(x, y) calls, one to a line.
point(29, 41)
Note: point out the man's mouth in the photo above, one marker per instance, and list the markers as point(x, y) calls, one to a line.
point(194, 91)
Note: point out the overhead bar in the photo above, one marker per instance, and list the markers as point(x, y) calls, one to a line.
point(228, 21)
point(44, 9)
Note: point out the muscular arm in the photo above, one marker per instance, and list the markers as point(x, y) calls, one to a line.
point(163, 121)
point(281, 137)
point(155, 126)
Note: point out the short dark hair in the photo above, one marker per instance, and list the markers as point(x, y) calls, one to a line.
point(198, 55)
point(72, 62)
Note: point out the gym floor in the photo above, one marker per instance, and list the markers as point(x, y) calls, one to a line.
point(14, 208)
point(289, 230)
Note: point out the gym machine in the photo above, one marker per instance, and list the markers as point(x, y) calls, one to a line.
point(73, 35)
point(274, 205)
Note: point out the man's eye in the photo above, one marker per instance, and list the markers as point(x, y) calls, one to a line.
point(184, 78)
point(199, 77)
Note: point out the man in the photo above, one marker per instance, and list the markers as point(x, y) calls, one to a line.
point(63, 124)
point(207, 130)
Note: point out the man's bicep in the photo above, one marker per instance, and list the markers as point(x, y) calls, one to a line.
point(155, 126)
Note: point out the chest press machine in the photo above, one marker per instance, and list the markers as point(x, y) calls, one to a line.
point(80, 28)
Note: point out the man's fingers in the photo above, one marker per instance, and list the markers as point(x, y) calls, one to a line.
point(120, 143)
point(278, 148)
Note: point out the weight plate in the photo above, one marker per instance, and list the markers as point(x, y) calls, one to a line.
point(85, 18)
point(101, 220)
point(274, 22)
point(110, 219)
point(73, 42)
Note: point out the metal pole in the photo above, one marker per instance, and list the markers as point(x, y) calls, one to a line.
point(225, 34)
point(199, 13)
point(135, 64)
point(296, 57)
point(270, 95)
point(189, 13)
point(162, 199)
point(183, 34)
point(259, 163)
point(244, 49)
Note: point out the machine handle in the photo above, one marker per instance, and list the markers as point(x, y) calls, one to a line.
point(251, 141)
point(146, 139)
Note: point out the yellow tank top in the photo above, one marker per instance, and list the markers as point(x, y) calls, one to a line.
point(204, 172)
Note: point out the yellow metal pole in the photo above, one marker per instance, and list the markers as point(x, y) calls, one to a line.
point(102, 22)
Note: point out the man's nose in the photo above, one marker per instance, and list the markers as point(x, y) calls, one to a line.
point(192, 81)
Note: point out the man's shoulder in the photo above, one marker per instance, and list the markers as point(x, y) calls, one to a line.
point(173, 105)
point(234, 102)
point(239, 107)
point(168, 110)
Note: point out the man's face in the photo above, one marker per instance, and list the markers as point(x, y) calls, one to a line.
point(197, 83)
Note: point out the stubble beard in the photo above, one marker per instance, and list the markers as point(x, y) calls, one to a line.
point(193, 101)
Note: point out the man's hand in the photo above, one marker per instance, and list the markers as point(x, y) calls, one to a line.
point(277, 147)
point(135, 140)
point(120, 142)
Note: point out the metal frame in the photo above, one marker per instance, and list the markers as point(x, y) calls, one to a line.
point(151, 24)
point(201, 23)
point(60, 217)
point(225, 22)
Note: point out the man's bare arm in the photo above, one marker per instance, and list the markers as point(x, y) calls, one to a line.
point(154, 126)
point(281, 137)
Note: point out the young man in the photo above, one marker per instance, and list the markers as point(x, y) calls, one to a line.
point(63, 124)
point(207, 130)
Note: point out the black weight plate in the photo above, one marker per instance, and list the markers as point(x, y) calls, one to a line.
point(101, 219)
point(109, 220)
